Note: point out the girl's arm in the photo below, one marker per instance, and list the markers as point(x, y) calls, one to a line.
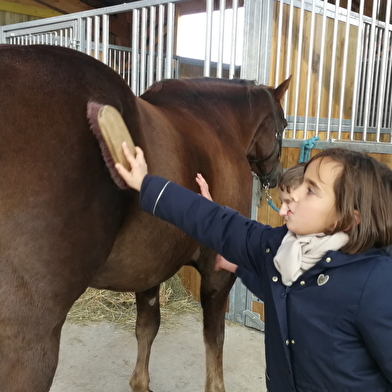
point(222, 229)
point(227, 232)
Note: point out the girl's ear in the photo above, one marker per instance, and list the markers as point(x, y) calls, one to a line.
point(357, 217)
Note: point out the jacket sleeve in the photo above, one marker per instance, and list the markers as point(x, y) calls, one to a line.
point(252, 282)
point(375, 315)
point(222, 229)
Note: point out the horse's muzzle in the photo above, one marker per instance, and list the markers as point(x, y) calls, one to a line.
point(271, 180)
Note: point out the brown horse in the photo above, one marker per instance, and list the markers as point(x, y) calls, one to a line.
point(65, 225)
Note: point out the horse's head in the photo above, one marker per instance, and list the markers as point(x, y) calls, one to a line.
point(265, 149)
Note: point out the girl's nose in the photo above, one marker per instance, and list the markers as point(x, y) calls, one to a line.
point(294, 195)
point(283, 209)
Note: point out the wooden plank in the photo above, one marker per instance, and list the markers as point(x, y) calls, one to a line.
point(27, 8)
point(191, 280)
point(43, 8)
point(65, 6)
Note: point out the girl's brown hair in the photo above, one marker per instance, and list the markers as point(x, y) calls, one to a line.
point(363, 185)
point(292, 178)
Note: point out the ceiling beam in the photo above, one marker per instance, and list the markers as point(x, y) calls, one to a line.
point(27, 7)
point(64, 6)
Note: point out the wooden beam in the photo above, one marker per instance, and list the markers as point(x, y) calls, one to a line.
point(65, 6)
point(20, 7)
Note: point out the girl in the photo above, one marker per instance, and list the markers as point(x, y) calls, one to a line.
point(327, 281)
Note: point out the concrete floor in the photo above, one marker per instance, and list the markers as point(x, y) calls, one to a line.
point(100, 358)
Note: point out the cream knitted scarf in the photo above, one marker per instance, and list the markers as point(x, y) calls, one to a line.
point(298, 253)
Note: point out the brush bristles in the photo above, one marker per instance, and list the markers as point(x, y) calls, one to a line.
point(92, 115)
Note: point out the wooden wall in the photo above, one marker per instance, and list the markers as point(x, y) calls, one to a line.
point(316, 69)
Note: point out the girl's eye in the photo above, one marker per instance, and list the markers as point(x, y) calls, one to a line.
point(310, 191)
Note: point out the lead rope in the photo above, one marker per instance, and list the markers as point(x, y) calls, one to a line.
point(268, 197)
point(304, 156)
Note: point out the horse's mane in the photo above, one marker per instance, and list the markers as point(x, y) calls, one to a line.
point(196, 88)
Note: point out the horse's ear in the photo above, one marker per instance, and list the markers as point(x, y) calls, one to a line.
point(282, 88)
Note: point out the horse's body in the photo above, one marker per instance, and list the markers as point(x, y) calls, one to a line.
point(65, 226)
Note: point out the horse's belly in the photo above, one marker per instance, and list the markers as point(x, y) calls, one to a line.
point(147, 252)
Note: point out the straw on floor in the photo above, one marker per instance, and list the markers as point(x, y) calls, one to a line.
point(120, 308)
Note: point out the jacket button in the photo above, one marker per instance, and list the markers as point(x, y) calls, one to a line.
point(302, 283)
point(267, 250)
point(293, 342)
point(275, 279)
point(328, 259)
point(287, 342)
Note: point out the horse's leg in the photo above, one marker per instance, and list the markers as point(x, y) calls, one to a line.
point(214, 290)
point(147, 325)
point(30, 327)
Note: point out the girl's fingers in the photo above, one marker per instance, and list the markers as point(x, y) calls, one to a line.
point(127, 153)
point(122, 170)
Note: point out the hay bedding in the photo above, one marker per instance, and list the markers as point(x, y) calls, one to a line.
point(120, 308)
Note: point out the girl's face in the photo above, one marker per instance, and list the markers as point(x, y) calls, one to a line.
point(285, 198)
point(312, 206)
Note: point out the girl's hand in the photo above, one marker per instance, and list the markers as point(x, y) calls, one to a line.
point(203, 186)
point(135, 176)
point(222, 264)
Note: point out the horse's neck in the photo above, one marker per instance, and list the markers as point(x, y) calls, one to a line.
point(233, 117)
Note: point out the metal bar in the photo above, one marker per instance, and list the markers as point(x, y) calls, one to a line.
point(369, 75)
point(151, 47)
point(233, 48)
point(12, 30)
point(344, 66)
point(266, 34)
point(332, 73)
point(143, 43)
point(135, 52)
point(208, 42)
point(354, 114)
point(110, 63)
point(310, 61)
point(160, 43)
point(88, 35)
point(221, 38)
point(289, 40)
point(124, 65)
point(388, 122)
point(362, 146)
point(96, 36)
point(169, 40)
point(377, 65)
point(129, 59)
point(321, 68)
point(105, 38)
point(279, 43)
point(364, 70)
point(80, 35)
point(385, 51)
point(298, 75)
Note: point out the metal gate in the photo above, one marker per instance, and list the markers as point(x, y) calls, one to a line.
point(340, 59)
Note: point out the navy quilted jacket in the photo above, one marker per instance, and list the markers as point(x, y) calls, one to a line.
point(331, 331)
